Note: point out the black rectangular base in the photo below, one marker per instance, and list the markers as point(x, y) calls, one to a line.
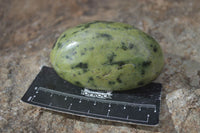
point(139, 106)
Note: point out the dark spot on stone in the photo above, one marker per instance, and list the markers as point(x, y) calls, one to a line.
point(82, 53)
point(87, 25)
point(123, 46)
point(150, 38)
point(141, 83)
point(98, 77)
point(131, 45)
point(155, 49)
point(146, 63)
point(78, 83)
point(74, 53)
point(63, 36)
point(123, 43)
point(75, 32)
point(111, 82)
point(92, 48)
point(79, 73)
point(74, 75)
point(79, 26)
point(111, 57)
point(120, 67)
point(119, 63)
point(90, 79)
point(59, 45)
point(82, 65)
point(119, 80)
point(142, 72)
point(104, 35)
point(68, 57)
point(85, 49)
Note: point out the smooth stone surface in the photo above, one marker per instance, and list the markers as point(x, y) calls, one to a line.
point(105, 55)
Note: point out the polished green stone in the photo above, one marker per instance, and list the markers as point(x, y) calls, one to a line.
point(107, 56)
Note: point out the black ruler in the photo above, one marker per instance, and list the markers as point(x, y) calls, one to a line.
point(139, 106)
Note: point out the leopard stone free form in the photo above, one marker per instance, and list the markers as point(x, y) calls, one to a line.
point(107, 56)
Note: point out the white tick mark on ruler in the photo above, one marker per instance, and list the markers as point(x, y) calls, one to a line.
point(80, 101)
point(124, 107)
point(127, 117)
point(36, 92)
point(34, 96)
point(70, 106)
point(88, 111)
point(155, 110)
point(109, 105)
point(36, 88)
point(108, 112)
point(51, 95)
point(29, 98)
point(148, 117)
point(140, 109)
point(95, 103)
point(65, 98)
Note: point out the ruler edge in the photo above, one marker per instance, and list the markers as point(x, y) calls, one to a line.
point(85, 116)
point(93, 117)
point(53, 108)
point(74, 114)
